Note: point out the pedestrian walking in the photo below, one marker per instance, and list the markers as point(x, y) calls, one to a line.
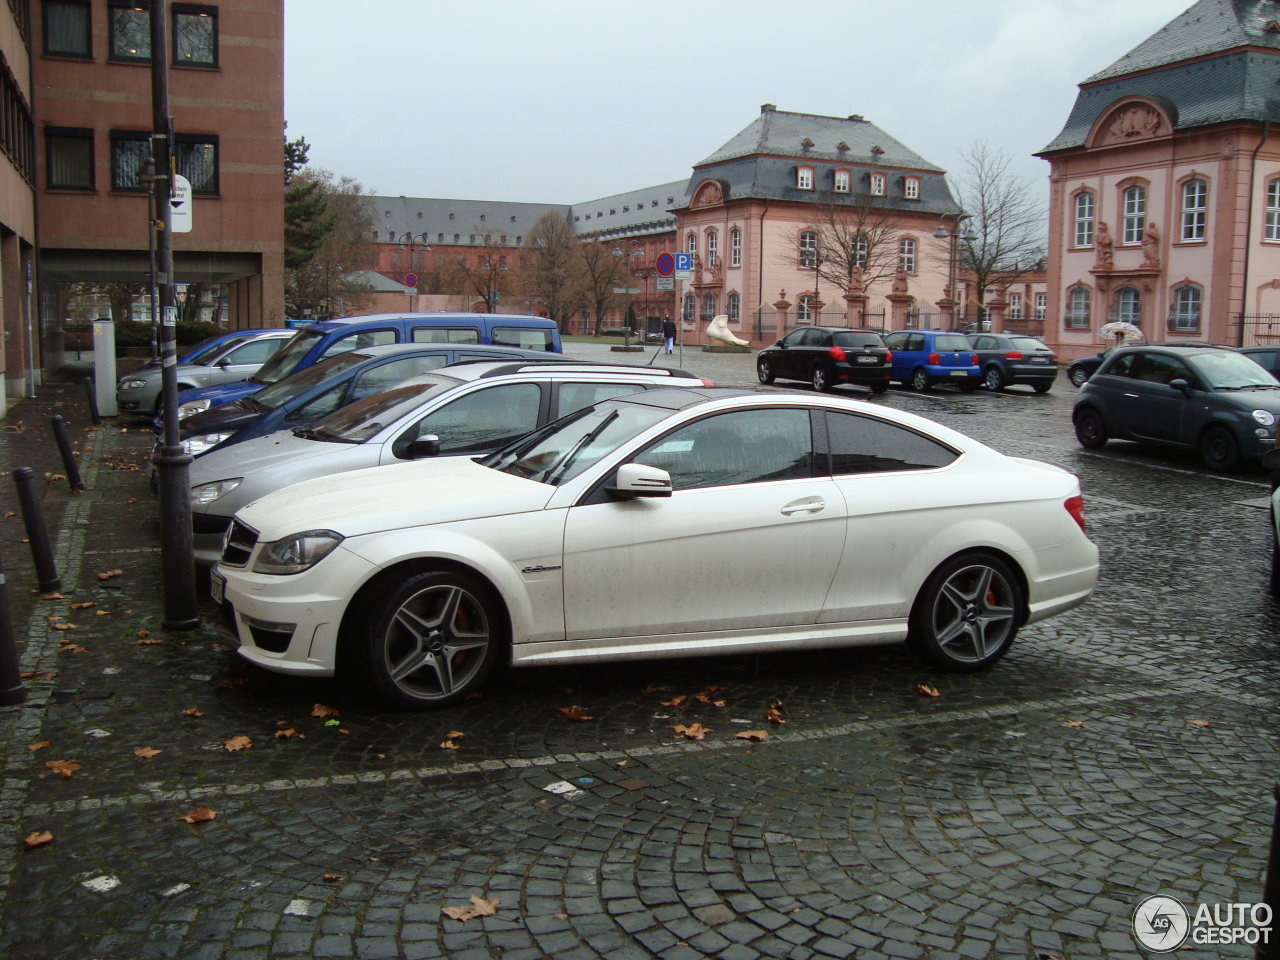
point(668, 334)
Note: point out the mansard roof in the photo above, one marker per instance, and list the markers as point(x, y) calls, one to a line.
point(634, 213)
point(401, 217)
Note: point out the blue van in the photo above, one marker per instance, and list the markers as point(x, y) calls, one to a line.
point(319, 341)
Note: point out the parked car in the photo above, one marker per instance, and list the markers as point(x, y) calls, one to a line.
point(1007, 359)
point(316, 391)
point(464, 410)
point(659, 524)
point(1266, 357)
point(332, 337)
point(1203, 398)
point(1078, 371)
point(826, 357)
point(922, 358)
point(224, 359)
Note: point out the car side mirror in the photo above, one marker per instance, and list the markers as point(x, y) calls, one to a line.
point(781, 344)
point(224, 362)
point(639, 480)
point(1180, 384)
point(423, 447)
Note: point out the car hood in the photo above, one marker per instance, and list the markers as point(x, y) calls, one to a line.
point(1268, 400)
point(254, 456)
point(221, 393)
point(394, 497)
point(220, 419)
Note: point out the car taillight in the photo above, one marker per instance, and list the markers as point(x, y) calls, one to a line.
point(973, 359)
point(1055, 356)
point(1013, 355)
point(1075, 507)
point(836, 353)
point(707, 383)
point(888, 356)
point(934, 359)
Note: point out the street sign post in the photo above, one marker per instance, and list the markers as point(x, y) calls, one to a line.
point(410, 279)
point(665, 265)
point(181, 204)
point(665, 283)
point(684, 265)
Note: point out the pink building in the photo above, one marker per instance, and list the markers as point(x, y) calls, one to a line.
point(1165, 188)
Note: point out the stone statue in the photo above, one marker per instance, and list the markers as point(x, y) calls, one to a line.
point(1151, 244)
point(900, 280)
point(857, 285)
point(1105, 246)
point(718, 329)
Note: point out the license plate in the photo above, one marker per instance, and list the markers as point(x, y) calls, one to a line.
point(959, 373)
point(217, 585)
point(868, 359)
point(1039, 359)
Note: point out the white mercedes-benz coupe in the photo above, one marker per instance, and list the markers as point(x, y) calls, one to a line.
point(665, 523)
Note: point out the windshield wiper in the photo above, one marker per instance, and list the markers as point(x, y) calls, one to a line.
point(554, 472)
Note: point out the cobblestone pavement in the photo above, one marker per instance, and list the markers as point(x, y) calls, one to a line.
point(1022, 813)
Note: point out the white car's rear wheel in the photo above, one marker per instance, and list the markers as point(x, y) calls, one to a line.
point(967, 614)
point(432, 639)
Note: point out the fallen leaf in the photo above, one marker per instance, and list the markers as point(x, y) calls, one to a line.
point(320, 710)
point(143, 633)
point(674, 701)
point(74, 648)
point(621, 763)
point(199, 815)
point(703, 697)
point(340, 730)
point(1198, 723)
point(11, 513)
point(649, 689)
point(695, 731)
point(64, 626)
point(54, 596)
point(333, 878)
point(153, 641)
point(1073, 723)
point(480, 907)
point(773, 716)
point(101, 613)
point(562, 916)
point(753, 735)
point(34, 839)
point(108, 574)
point(448, 745)
point(193, 712)
point(146, 752)
point(132, 500)
point(39, 745)
point(454, 735)
point(237, 743)
point(927, 691)
point(576, 714)
point(85, 605)
point(289, 734)
point(226, 683)
point(64, 767)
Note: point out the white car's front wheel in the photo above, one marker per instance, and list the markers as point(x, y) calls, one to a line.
point(967, 614)
point(432, 639)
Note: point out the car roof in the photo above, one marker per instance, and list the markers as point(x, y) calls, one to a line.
point(483, 369)
point(383, 349)
point(338, 323)
point(1191, 346)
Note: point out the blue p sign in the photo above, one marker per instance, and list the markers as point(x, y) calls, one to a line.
point(684, 261)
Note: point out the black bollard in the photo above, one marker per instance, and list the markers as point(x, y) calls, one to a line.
point(92, 394)
point(1271, 886)
point(68, 458)
point(41, 554)
point(11, 689)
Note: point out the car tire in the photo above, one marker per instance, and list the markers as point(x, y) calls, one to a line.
point(879, 387)
point(1218, 449)
point(920, 382)
point(819, 377)
point(1091, 429)
point(431, 639)
point(1077, 376)
point(1041, 387)
point(764, 370)
point(967, 613)
point(993, 379)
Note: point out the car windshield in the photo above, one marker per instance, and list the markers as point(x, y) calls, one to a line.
point(856, 338)
point(357, 422)
point(287, 357)
point(952, 341)
point(298, 383)
point(562, 450)
point(1027, 343)
point(1231, 371)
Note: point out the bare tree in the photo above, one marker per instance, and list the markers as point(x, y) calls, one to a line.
point(601, 272)
point(329, 284)
point(1005, 217)
point(845, 234)
point(552, 266)
point(483, 272)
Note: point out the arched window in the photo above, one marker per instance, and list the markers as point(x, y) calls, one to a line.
point(1186, 309)
point(1195, 205)
point(1135, 214)
point(690, 307)
point(734, 307)
point(735, 247)
point(1272, 229)
point(808, 249)
point(1129, 305)
point(907, 254)
point(1079, 303)
point(1084, 220)
point(692, 243)
point(708, 306)
point(713, 247)
point(804, 310)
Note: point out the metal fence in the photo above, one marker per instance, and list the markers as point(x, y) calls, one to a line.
point(1254, 330)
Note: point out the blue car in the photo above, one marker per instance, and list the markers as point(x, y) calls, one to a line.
point(313, 393)
point(332, 337)
point(923, 358)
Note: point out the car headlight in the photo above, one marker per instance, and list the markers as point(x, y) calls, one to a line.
point(1264, 417)
point(132, 384)
point(192, 407)
point(204, 443)
point(209, 492)
point(296, 553)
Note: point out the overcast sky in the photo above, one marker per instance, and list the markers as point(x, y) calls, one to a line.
point(565, 101)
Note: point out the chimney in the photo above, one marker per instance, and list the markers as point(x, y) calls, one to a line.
point(767, 108)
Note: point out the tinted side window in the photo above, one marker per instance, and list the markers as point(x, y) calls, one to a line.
point(259, 351)
point(353, 341)
point(867, 445)
point(575, 396)
point(746, 446)
point(480, 421)
point(915, 341)
point(446, 335)
point(387, 374)
point(812, 338)
point(793, 338)
point(527, 339)
point(1158, 368)
point(895, 341)
point(1123, 366)
point(1264, 358)
point(985, 343)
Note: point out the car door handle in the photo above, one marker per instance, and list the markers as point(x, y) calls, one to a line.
point(808, 505)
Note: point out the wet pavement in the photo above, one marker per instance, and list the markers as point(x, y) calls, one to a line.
point(1122, 750)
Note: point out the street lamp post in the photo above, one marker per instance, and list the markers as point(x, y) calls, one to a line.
point(942, 233)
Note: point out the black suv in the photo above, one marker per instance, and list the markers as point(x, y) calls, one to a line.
point(827, 356)
point(1008, 359)
point(1208, 399)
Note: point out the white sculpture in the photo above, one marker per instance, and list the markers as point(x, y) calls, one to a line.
point(719, 329)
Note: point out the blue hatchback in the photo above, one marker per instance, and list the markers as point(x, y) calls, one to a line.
point(922, 358)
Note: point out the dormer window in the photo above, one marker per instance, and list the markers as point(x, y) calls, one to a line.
point(842, 145)
point(804, 178)
point(877, 184)
point(911, 188)
point(482, 218)
point(451, 216)
point(842, 181)
point(419, 214)
point(806, 143)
